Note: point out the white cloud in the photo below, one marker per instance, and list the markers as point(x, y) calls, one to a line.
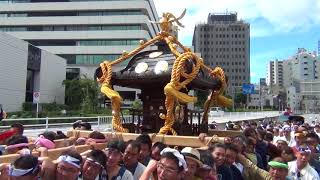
point(282, 15)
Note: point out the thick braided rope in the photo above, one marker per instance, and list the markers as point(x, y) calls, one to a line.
point(169, 117)
point(116, 120)
point(170, 41)
point(177, 71)
point(195, 69)
point(218, 72)
point(116, 101)
point(106, 72)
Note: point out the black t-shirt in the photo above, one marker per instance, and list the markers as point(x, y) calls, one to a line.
point(236, 173)
point(225, 172)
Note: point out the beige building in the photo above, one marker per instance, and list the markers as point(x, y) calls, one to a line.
point(225, 41)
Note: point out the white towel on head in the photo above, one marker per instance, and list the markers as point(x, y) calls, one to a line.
point(70, 160)
point(176, 153)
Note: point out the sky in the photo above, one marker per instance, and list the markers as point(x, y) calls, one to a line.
point(277, 27)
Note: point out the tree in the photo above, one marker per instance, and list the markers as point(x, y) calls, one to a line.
point(81, 94)
point(137, 105)
point(240, 99)
point(202, 96)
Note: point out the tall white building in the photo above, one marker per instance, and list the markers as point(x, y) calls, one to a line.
point(301, 74)
point(85, 32)
point(26, 69)
point(275, 73)
point(303, 66)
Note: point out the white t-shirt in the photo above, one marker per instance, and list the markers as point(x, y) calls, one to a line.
point(307, 173)
point(239, 166)
point(126, 176)
point(138, 172)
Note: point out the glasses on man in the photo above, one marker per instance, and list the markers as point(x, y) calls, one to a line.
point(167, 169)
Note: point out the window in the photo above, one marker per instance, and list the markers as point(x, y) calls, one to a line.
point(94, 59)
point(71, 28)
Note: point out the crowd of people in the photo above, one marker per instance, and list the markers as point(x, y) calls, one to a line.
point(265, 150)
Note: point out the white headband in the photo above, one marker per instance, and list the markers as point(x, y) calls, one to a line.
point(20, 172)
point(180, 157)
point(70, 160)
point(95, 162)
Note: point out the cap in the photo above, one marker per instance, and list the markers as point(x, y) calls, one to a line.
point(191, 153)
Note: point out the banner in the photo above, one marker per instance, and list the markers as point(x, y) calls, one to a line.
point(247, 89)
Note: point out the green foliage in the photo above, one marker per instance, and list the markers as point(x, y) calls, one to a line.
point(202, 97)
point(27, 106)
point(82, 94)
point(136, 105)
point(53, 106)
point(240, 99)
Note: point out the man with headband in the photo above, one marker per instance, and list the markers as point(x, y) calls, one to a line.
point(24, 168)
point(69, 165)
point(170, 167)
point(300, 168)
point(17, 144)
point(94, 166)
point(300, 139)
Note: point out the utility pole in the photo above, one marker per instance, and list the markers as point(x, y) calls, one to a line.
point(233, 93)
point(260, 96)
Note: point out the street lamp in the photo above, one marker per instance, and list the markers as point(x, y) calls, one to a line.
point(279, 104)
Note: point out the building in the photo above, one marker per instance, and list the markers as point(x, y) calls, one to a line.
point(263, 82)
point(85, 32)
point(310, 96)
point(275, 73)
point(318, 47)
point(292, 76)
point(303, 66)
point(225, 41)
point(26, 69)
